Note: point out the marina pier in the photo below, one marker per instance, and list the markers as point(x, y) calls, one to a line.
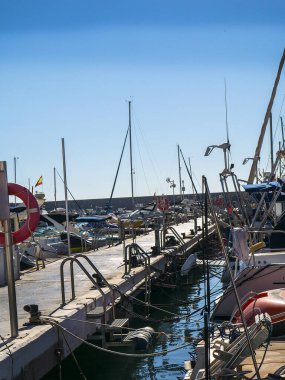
point(39, 345)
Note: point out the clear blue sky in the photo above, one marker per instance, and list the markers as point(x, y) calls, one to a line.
point(67, 68)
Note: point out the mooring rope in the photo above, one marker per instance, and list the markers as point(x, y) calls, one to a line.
point(154, 354)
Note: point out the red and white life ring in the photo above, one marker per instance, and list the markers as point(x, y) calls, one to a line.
point(33, 213)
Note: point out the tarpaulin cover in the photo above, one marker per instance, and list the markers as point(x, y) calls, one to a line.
point(260, 187)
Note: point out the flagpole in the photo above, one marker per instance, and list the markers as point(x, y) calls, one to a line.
point(65, 193)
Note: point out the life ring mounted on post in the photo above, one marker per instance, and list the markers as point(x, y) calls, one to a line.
point(33, 214)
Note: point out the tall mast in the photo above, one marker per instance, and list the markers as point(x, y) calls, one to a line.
point(190, 171)
point(65, 195)
point(271, 142)
point(179, 170)
point(54, 183)
point(253, 173)
point(131, 154)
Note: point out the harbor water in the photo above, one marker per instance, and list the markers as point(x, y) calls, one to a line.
point(187, 300)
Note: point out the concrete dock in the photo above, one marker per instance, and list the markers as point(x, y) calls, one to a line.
point(33, 353)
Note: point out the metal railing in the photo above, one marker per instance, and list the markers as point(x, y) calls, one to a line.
point(73, 260)
point(181, 243)
point(135, 250)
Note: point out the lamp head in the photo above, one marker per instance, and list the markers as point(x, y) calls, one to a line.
point(209, 150)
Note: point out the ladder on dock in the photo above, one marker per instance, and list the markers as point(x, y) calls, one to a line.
point(179, 239)
point(100, 312)
point(134, 250)
point(97, 279)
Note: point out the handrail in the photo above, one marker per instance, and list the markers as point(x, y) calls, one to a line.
point(146, 259)
point(180, 240)
point(74, 259)
point(103, 279)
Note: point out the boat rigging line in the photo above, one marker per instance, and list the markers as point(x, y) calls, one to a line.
point(151, 355)
point(73, 356)
point(279, 119)
point(118, 168)
point(190, 176)
point(75, 201)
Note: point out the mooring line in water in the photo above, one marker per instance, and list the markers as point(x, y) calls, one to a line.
point(157, 308)
point(73, 356)
point(154, 354)
point(147, 304)
point(159, 333)
point(10, 354)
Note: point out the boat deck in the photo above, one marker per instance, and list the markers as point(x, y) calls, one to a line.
point(273, 360)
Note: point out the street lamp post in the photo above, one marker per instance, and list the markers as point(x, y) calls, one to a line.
point(172, 184)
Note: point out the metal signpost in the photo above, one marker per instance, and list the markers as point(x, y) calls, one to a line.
point(8, 248)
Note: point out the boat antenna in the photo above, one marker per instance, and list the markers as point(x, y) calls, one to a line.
point(227, 124)
point(131, 154)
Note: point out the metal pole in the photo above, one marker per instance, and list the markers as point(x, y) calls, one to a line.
point(131, 155)
point(232, 279)
point(207, 285)
point(8, 248)
point(271, 143)
point(179, 170)
point(15, 176)
point(54, 181)
point(280, 163)
point(263, 128)
point(282, 131)
point(65, 194)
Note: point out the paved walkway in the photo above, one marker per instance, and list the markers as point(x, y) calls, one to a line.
point(43, 287)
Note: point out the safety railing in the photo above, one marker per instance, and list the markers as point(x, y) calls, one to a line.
point(179, 239)
point(73, 260)
point(132, 250)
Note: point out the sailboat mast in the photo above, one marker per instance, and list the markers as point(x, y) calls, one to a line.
point(131, 154)
point(271, 142)
point(253, 173)
point(65, 195)
point(179, 170)
point(54, 184)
